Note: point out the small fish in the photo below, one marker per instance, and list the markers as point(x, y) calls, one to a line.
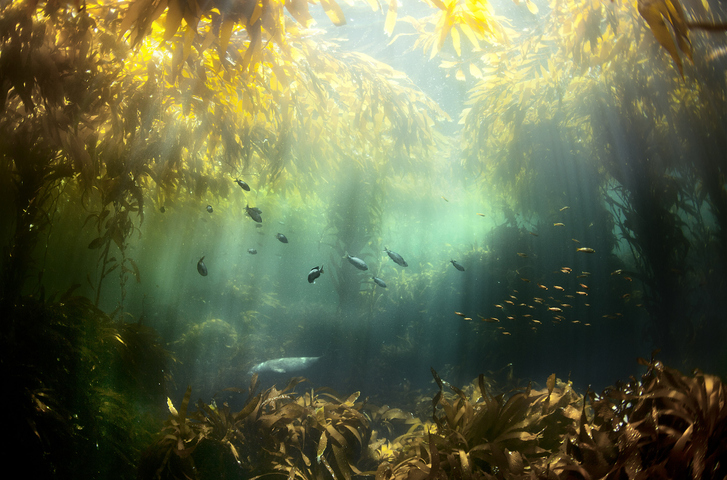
point(536, 321)
point(564, 208)
point(396, 257)
point(559, 224)
point(209, 209)
point(510, 302)
point(457, 265)
point(243, 185)
point(533, 234)
point(584, 286)
point(490, 320)
point(523, 255)
point(576, 240)
point(558, 287)
point(201, 267)
point(459, 313)
point(255, 213)
point(616, 272)
point(357, 262)
point(443, 198)
point(540, 285)
point(581, 293)
point(379, 282)
point(162, 209)
point(566, 269)
point(481, 214)
point(252, 251)
point(281, 237)
point(506, 333)
point(314, 273)
point(497, 305)
point(524, 279)
point(585, 250)
point(468, 319)
point(628, 279)
point(555, 309)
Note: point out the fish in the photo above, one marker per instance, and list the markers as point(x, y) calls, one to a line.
point(468, 319)
point(284, 365)
point(379, 282)
point(314, 273)
point(481, 214)
point(252, 251)
point(443, 198)
point(559, 224)
point(243, 185)
point(357, 262)
point(523, 255)
point(585, 250)
point(457, 265)
point(162, 209)
point(564, 208)
point(558, 287)
point(555, 309)
point(566, 269)
point(255, 213)
point(584, 286)
point(281, 237)
point(201, 267)
point(209, 209)
point(459, 313)
point(396, 257)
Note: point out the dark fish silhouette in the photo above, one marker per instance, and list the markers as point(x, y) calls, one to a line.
point(396, 257)
point(201, 267)
point(379, 282)
point(209, 209)
point(162, 209)
point(281, 237)
point(457, 265)
point(243, 185)
point(357, 262)
point(255, 213)
point(314, 273)
point(252, 251)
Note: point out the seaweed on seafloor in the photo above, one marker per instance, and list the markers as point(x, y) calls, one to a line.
point(277, 432)
point(668, 425)
point(474, 434)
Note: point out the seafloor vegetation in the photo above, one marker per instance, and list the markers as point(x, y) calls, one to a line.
point(141, 138)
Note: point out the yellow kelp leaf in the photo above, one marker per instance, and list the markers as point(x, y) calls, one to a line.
point(390, 18)
point(470, 34)
point(460, 75)
point(225, 33)
point(474, 71)
point(532, 7)
point(374, 4)
point(455, 41)
point(299, 11)
point(655, 12)
point(334, 12)
point(172, 410)
point(174, 18)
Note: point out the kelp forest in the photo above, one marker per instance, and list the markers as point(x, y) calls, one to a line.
point(364, 239)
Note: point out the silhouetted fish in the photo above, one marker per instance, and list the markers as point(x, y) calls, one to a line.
point(209, 209)
point(314, 273)
point(357, 262)
point(252, 251)
point(396, 257)
point(457, 265)
point(255, 213)
point(243, 185)
point(379, 282)
point(281, 237)
point(201, 267)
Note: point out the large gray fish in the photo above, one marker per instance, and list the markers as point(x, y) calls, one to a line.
point(396, 257)
point(284, 365)
point(379, 282)
point(255, 213)
point(357, 262)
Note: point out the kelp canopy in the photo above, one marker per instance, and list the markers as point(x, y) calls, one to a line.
point(571, 161)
